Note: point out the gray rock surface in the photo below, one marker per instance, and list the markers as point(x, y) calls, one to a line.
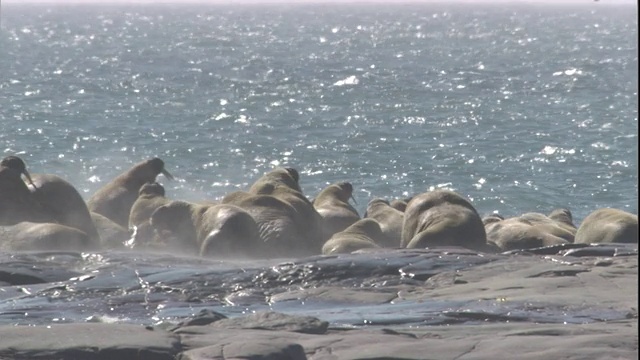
point(533, 306)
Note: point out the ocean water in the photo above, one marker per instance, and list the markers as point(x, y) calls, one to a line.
point(518, 107)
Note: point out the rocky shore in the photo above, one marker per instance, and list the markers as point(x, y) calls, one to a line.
point(598, 296)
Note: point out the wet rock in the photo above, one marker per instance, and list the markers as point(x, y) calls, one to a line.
point(87, 341)
point(278, 349)
point(269, 320)
point(204, 317)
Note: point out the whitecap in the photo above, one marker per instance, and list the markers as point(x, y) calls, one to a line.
point(221, 116)
point(351, 80)
point(242, 119)
point(549, 150)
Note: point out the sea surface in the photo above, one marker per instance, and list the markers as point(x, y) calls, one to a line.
point(518, 107)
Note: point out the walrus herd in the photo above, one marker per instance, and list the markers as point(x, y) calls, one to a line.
point(271, 219)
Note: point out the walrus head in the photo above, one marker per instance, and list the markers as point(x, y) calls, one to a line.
point(562, 215)
point(152, 189)
point(15, 163)
point(294, 174)
point(158, 166)
point(347, 191)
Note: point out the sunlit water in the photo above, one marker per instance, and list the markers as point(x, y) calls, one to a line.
point(519, 108)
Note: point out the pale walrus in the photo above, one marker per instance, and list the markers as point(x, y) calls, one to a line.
point(442, 218)
point(216, 231)
point(608, 225)
point(557, 226)
point(17, 204)
point(332, 203)
point(518, 233)
point(363, 234)
point(114, 200)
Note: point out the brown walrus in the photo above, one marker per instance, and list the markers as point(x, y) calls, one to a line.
point(17, 203)
point(389, 218)
point(114, 200)
point(332, 203)
point(64, 203)
point(222, 230)
point(150, 197)
point(442, 218)
point(363, 234)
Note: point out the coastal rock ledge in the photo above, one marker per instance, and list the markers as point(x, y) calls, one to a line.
point(604, 288)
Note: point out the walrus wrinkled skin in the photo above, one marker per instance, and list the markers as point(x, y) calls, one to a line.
point(608, 225)
point(284, 186)
point(276, 219)
point(289, 224)
point(43, 236)
point(332, 203)
point(518, 233)
point(390, 220)
point(442, 218)
point(64, 203)
point(214, 231)
point(114, 200)
point(363, 234)
point(17, 204)
point(557, 226)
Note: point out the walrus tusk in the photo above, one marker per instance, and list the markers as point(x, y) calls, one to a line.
point(26, 174)
point(167, 175)
point(354, 199)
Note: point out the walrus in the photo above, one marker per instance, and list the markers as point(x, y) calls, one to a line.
point(114, 200)
point(284, 185)
point(400, 204)
point(43, 236)
point(363, 234)
point(17, 204)
point(563, 216)
point(64, 203)
point(150, 197)
point(491, 218)
point(288, 177)
point(389, 218)
point(518, 233)
point(332, 203)
point(305, 217)
point(442, 218)
point(112, 235)
point(215, 231)
point(551, 226)
point(608, 225)
point(277, 222)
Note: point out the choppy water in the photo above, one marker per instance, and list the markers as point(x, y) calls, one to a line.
point(518, 107)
